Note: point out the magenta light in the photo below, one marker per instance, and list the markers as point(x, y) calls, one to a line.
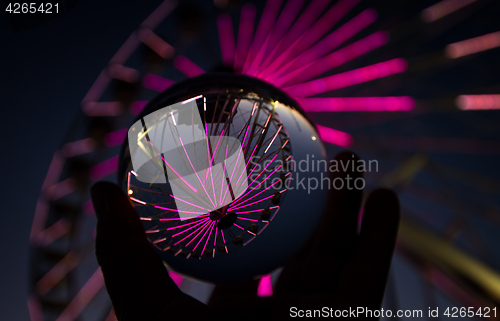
point(474, 45)
point(334, 136)
point(187, 67)
point(156, 43)
point(245, 35)
point(137, 106)
point(210, 227)
point(53, 232)
point(104, 169)
point(249, 204)
point(156, 82)
point(226, 38)
point(78, 147)
point(292, 37)
point(283, 23)
point(88, 208)
point(61, 189)
point(442, 9)
point(263, 31)
point(350, 104)
point(177, 278)
point(330, 42)
point(123, 73)
point(106, 108)
point(478, 102)
point(265, 287)
point(208, 237)
point(115, 138)
point(248, 219)
point(35, 308)
point(83, 297)
point(349, 78)
point(57, 272)
point(318, 29)
point(250, 211)
point(334, 59)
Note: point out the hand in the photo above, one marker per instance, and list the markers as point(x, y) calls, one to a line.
point(338, 268)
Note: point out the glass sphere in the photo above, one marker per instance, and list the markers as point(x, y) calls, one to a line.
point(223, 204)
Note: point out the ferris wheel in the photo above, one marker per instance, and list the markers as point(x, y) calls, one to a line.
point(355, 68)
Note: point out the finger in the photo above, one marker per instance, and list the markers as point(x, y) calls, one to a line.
point(336, 236)
point(365, 275)
point(135, 277)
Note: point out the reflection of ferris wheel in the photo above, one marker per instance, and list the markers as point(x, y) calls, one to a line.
point(331, 56)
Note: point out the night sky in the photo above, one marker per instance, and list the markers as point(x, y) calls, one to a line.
point(46, 71)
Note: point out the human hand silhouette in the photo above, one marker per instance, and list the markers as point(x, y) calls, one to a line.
point(338, 268)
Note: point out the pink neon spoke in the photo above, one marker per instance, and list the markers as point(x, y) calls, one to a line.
point(187, 67)
point(215, 237)
point(283, 23)
point(240, 203)
point(201, 231)
point(245, 35)
point(326, 22)
point(182, 179)
point(210, 164)
point(180, 211)
point(260, 182)
point(265, 287)
point(202, 185)
point(208, 229)
point(156, 43)
point(180, 199)
point(115, 138)
point(304, 21)
point(272, 141)
point(251, 211)
point(223, 180)
point(333, 136)
point(323, 25)
point(262, 171)
point(248, 219)
point(103, 169)
point(223, 239)
point(265, 24)
point(156, 83)
point(443, 8)
point(226, 39)
point(478, 102)
point(102, 108)
point(329, 43)
point(197, 224)
point(474, 45)
point(232, 174)
point(208, 238)
point(123, 73)
point(349, 78)
point(176, 218)
point(183, 225)
point(216, 147)
point(238, 226)
point(252, 70)
point(334, 59)
point(203, 226)
point(246, 165)
point(262, 199)
point(350, 104)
